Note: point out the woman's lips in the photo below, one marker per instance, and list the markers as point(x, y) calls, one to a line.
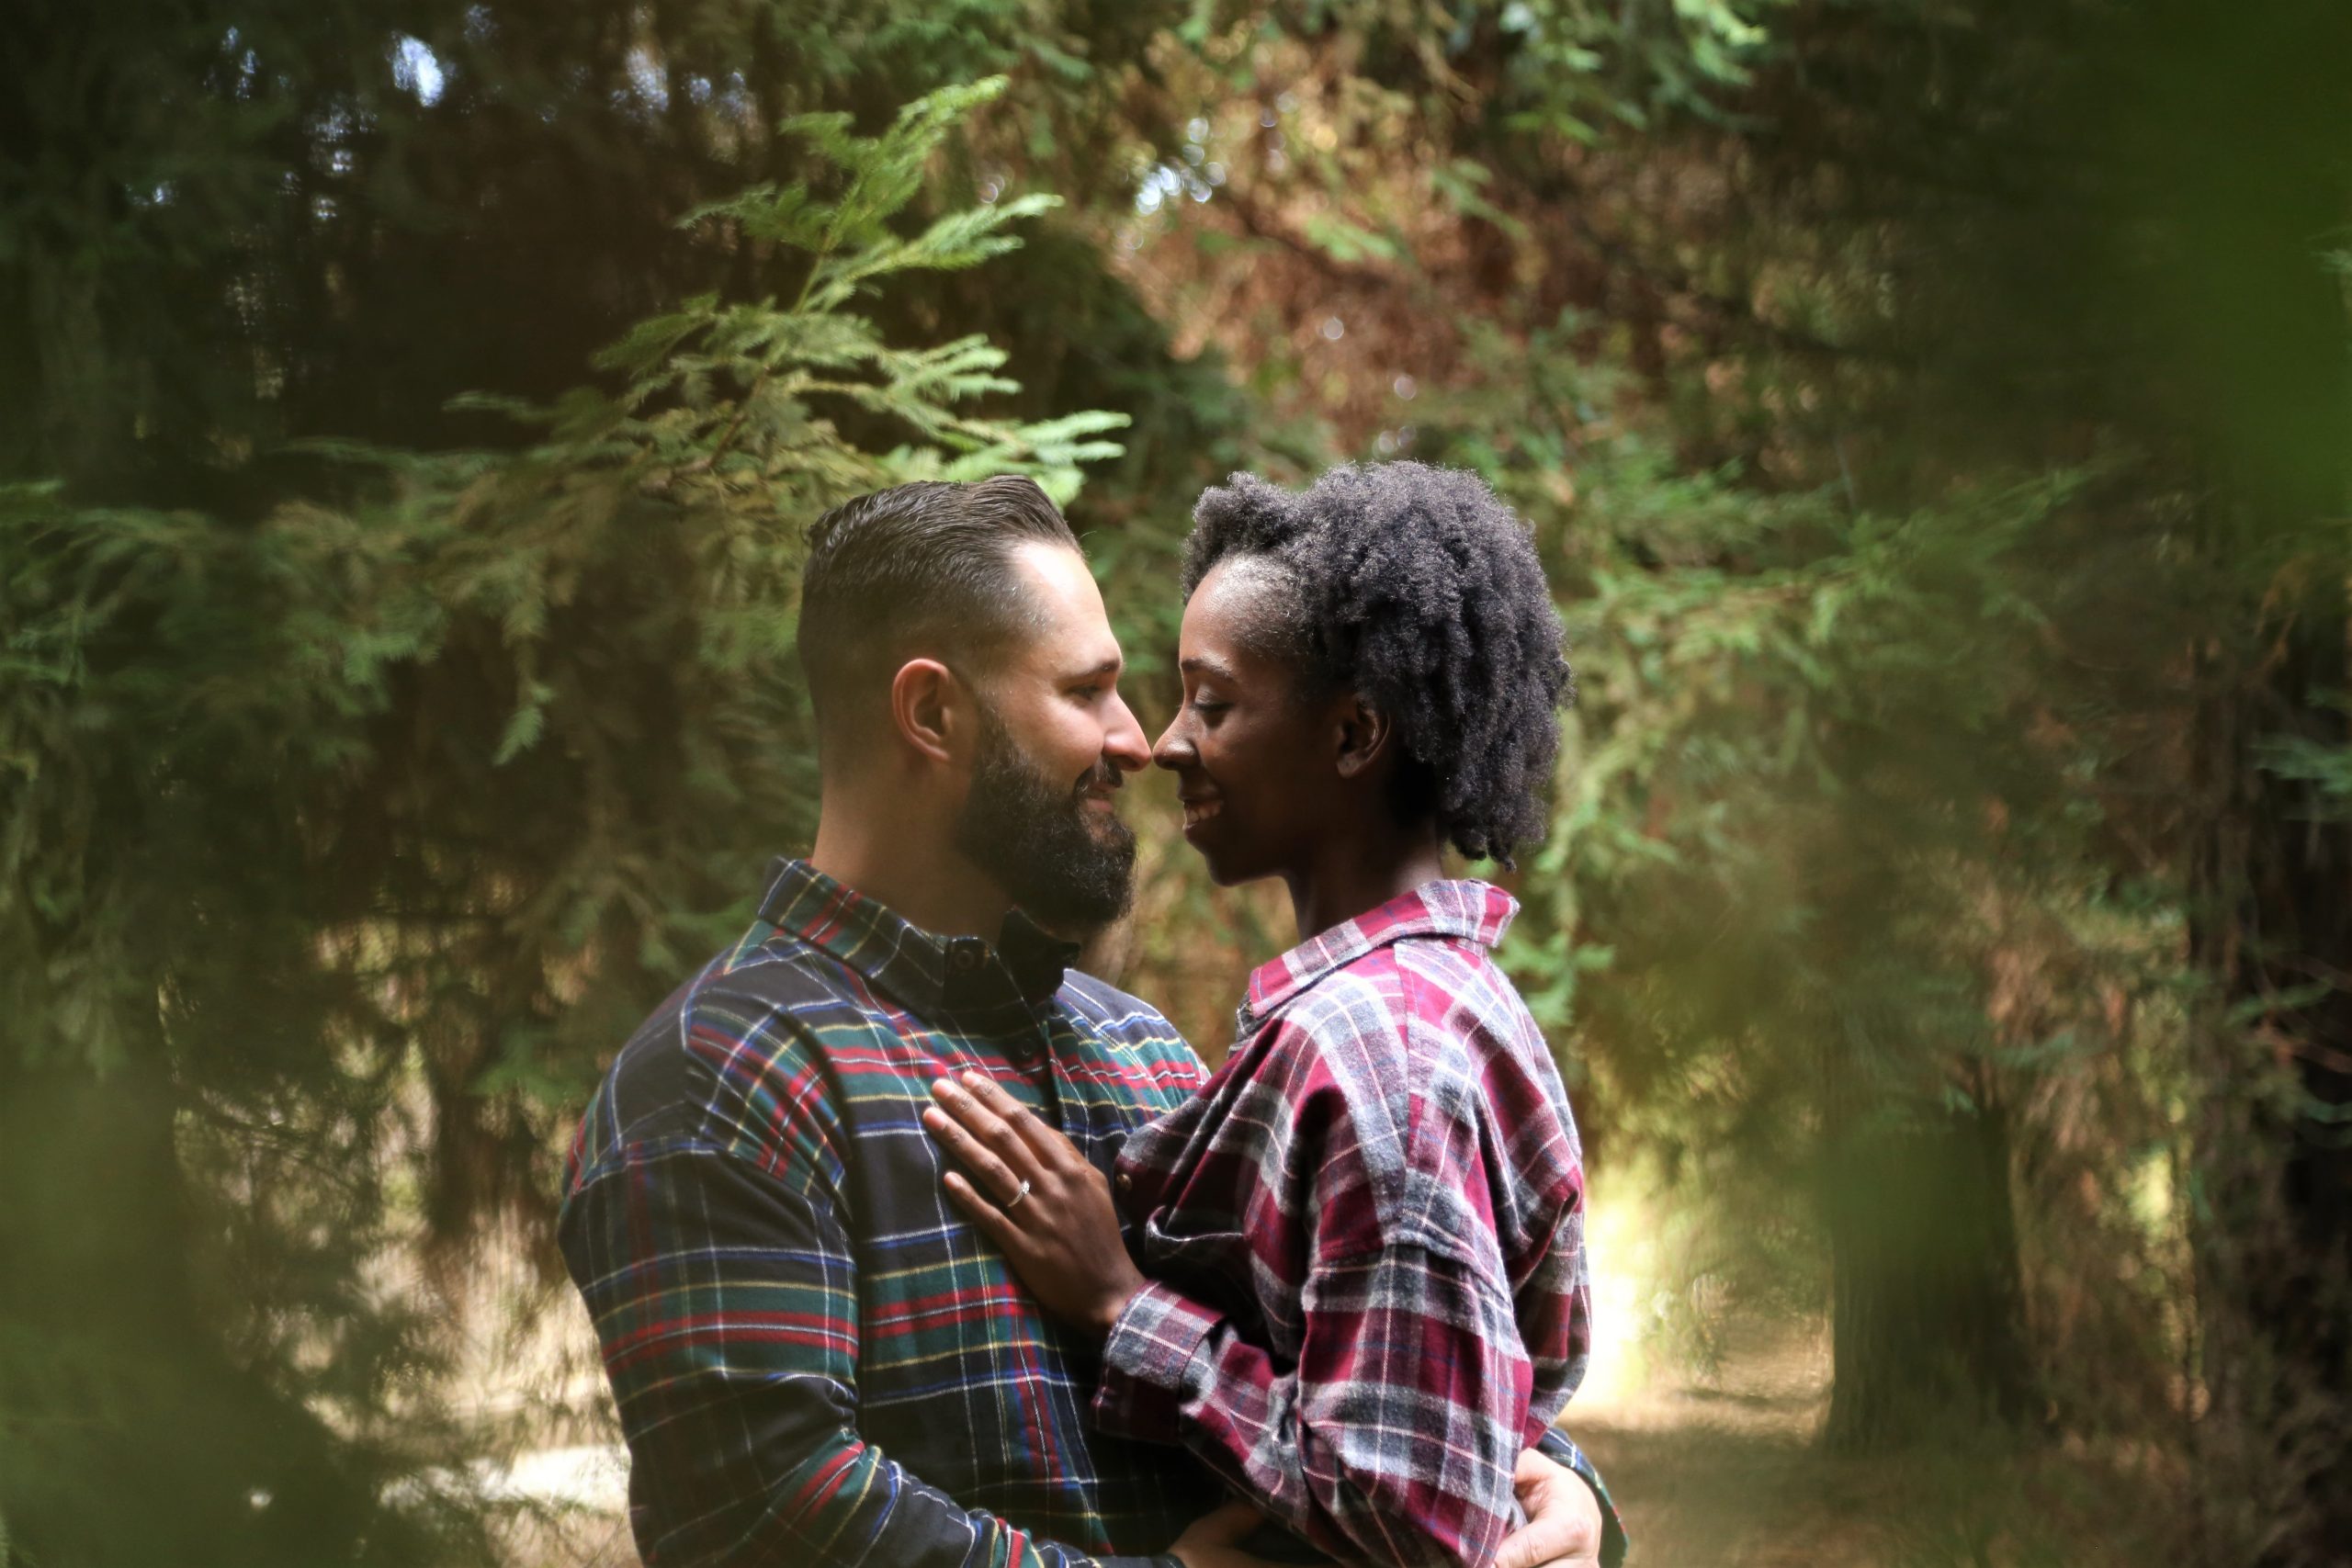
point(1199, 811)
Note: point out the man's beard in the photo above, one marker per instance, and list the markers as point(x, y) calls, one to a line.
point(1031, 834)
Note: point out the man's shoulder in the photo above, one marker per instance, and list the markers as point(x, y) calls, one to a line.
point(769, 982)
point(1107, 1005)
point(755, 1007)
point(1124, 1020)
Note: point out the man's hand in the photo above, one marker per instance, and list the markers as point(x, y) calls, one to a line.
point(1213, 1539)
point(1562, 1528)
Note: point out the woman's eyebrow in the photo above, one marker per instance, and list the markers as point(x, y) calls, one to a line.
point(1201, 664)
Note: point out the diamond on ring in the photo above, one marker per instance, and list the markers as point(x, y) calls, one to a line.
point(1015, 1198)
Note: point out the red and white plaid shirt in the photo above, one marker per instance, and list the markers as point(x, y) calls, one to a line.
point(1365, 1238)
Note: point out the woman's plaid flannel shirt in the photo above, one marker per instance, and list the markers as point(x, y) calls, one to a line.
point(1365, 1241)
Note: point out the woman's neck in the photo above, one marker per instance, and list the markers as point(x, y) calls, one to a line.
point(1352, 873)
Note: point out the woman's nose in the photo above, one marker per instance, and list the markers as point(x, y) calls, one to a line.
point(1174, 747)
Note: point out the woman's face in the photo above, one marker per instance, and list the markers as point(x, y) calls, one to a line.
point(1254, 763)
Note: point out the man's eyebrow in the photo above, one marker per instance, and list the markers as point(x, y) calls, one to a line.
point(1109, 667)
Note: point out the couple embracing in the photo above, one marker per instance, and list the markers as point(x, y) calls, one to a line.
point(909, 1245)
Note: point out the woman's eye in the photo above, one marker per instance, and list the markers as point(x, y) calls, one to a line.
point(1209, 707)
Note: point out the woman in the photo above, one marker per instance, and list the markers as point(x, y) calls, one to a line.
point(1362, 1289)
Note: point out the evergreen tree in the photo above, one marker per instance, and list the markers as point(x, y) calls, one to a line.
point(326, 833)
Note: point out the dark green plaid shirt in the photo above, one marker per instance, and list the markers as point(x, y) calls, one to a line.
point(818, 1360)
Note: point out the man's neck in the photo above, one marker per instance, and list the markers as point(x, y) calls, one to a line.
point(921, 876)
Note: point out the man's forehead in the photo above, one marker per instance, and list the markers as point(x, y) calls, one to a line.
point(1069, 631)
point(1065, 653)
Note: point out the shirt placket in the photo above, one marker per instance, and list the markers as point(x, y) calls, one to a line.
point(1025, 1048)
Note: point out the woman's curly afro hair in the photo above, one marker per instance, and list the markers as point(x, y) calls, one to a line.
point(1420, 592)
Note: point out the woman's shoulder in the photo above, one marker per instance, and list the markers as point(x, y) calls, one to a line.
point(1352, 1025)
point(1431, 1056)
point(1429, 1006)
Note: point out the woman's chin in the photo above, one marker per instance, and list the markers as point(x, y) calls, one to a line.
point(1227, 872)
point(1229, 864)
point(1219, 865)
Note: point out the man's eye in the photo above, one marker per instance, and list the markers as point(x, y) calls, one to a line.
point(1087, 693)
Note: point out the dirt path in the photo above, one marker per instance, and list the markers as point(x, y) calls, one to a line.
point(1723, 1471)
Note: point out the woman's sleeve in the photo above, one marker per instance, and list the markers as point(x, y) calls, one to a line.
point(1394, 1437)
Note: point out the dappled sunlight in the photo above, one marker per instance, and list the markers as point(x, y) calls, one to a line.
point(1621, 1236)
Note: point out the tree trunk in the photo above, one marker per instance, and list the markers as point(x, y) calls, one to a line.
point(1926, 1298)
point(2272, 913)
point(2274, 1132)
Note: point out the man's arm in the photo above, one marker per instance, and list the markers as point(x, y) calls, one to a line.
point(725, 1303)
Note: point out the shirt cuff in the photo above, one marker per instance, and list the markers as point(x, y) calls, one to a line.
point(1147, 1364)
point(1560, 1447)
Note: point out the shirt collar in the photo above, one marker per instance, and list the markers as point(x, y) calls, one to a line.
point(928, 973)
point(1474, 911)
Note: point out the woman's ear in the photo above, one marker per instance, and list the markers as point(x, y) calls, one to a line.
point(926, 700)
point(1365, 733)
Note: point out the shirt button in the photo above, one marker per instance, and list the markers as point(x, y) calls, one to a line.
point(1126, 1183)
point(964, 953)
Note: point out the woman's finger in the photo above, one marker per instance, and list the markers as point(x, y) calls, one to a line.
point(987, 1218)
point(1049, 1146)
point(988, 1128)
point(993, 1175)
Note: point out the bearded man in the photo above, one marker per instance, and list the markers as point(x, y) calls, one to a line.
point(818, 1360)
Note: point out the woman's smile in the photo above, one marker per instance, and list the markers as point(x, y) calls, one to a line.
point(1246, 749)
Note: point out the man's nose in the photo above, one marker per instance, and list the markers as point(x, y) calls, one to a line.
point(1122, 743)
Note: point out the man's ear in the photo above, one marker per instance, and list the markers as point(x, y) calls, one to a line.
point(1364, 734)
point(927, 708)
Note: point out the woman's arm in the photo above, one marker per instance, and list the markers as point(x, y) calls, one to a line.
point(1392, 1438)
point(1395, 1436)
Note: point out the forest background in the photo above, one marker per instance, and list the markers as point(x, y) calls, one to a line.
point(1932, 414)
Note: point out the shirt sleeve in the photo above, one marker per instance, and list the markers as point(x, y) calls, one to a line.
point(725, 1303)
point(1394, 1438)
point(1395, 1435)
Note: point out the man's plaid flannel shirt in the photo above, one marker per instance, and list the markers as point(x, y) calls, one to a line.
point(1365, 1241)
point(817, 1361)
